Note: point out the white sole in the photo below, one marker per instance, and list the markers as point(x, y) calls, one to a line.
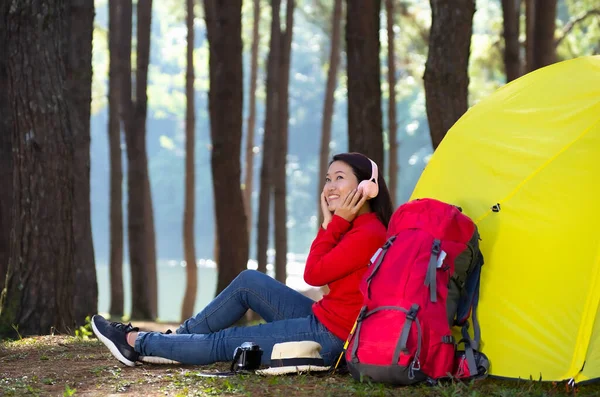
point(158, 360)
point(111, 346)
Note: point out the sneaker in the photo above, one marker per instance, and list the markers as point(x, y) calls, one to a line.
point(114, 336)
point(158, 360)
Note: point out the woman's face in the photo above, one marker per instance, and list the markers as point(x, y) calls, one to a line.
point(339, 181)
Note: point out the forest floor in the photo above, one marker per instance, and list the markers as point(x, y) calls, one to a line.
point(81, 366)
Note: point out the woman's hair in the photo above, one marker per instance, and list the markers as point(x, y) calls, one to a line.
point(362, 168)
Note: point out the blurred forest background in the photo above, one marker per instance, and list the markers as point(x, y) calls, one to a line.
point(210, 124)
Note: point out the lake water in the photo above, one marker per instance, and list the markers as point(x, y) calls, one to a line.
point(171, 284)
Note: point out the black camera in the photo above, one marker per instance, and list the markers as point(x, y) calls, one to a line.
point(246, 357)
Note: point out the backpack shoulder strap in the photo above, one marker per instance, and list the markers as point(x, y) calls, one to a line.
point(469, 300)
point(468, 307)
point(474, 320)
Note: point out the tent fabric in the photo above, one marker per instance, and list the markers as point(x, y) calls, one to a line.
point(533, 149)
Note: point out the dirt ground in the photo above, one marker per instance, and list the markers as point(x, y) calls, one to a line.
point(65, 366)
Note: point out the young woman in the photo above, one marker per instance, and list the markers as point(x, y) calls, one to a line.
point(354, 227)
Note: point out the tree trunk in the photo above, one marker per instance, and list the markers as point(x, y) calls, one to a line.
point(365, 134)
point(151, 270)
point(142, 257)
point(38, 297)
point(544, 33)
point(6, 169)
point(144, 28)
point(251, 124)
point(540, 19)
point(270, 130)
point(191, 270)
point(511, 11)
point(530, 21)
point(446, 71)
point(281, 148)
point(224, 31)
point(392, 127)
point(116, 168)
point(328, 104)
point(79, 90)
point(249, 178)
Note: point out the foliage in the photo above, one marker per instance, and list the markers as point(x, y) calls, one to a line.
point(69, 391)
point(85, 331)
point(584, 38)
point(15, 327)
point(307, 81)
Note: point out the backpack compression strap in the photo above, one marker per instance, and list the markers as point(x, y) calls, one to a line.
point(380, 254)
point(431, 270)
point(411, 315)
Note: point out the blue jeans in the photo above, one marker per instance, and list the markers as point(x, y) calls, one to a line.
point(208, 337)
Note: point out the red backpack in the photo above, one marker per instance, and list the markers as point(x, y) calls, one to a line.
point(402, 335)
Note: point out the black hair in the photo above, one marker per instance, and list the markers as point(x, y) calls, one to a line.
point(362, 169)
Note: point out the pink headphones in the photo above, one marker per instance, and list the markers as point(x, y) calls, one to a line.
point(370, 187)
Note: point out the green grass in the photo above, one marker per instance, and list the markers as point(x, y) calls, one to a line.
point(68, 366)
point(191, 384)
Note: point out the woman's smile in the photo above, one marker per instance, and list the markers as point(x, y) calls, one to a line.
point(332, 197)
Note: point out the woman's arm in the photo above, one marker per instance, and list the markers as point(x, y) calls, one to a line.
point(334, 254)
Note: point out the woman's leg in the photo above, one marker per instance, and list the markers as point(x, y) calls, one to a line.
point(219, 346)
point(254, 290)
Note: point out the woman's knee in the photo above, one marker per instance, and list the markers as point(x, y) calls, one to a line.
point(246, 277)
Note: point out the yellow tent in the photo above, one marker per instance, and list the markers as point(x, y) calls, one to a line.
point(532, 149)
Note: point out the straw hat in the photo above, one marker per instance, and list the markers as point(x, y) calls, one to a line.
point(295, 357)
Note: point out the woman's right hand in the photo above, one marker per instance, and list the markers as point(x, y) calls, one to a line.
point(325, 210)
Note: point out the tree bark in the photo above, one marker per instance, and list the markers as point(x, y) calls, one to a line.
point(446, 71)
point(251, 124)
point(79, 91)
point(511, 11)
point(249, 177)
point(541, 25)
point(280, 153)
point(530, 22)
point(365, 133)
point(144, 28)
point(191, 270)
point(329, 102)
point(116, 168)
point(142, 254)
point(224, 31)
point(6, 169)
point(392, 127)
point(38, 297)
point(544, 33)
point(271, 128)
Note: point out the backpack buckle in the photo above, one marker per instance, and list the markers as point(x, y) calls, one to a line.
point(412, 312)
point(416, 364)
point(362, 313)
point(448, 339)
point(436, 247)
point(389, 242)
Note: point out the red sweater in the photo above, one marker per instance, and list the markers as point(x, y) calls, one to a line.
point(339, 257)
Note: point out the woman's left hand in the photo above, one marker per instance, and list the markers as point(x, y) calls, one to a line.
point(351, 205)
